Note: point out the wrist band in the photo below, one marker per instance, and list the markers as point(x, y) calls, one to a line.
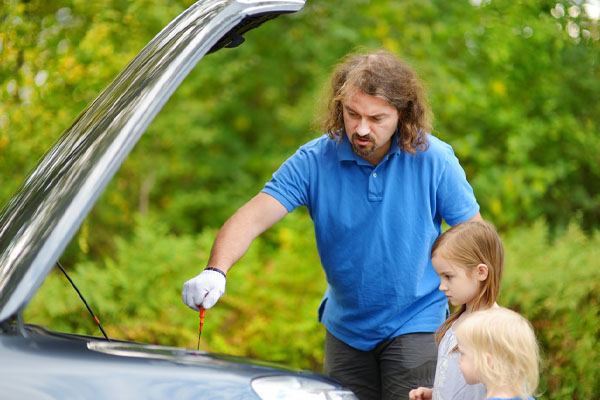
point(216, 270)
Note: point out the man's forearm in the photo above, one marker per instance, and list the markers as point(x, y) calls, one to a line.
point(231, 243)
point(238, 232)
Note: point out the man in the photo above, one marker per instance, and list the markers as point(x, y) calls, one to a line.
point(377, 187)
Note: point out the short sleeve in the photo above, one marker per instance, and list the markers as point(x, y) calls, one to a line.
point(455, 198)
point(290, 183)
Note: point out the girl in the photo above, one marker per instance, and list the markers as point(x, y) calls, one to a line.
point(498, 348)
point(469, 259)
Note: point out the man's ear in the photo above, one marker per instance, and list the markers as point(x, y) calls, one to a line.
point(482, 272)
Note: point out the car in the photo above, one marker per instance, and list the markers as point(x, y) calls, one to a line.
point(39, 221)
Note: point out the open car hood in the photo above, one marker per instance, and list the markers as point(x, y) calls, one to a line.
point(38, 223)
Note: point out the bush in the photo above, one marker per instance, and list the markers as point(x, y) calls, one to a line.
point(269, 310)
point(555, 285)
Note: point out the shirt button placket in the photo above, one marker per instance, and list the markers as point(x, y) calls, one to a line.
point(375, 189)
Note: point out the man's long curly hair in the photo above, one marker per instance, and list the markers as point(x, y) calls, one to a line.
point(383, 75)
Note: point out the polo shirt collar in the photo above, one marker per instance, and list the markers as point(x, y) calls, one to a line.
point(345, 153)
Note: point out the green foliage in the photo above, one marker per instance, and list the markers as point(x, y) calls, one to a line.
point(136, 293)
point(523, 126)
point(555, 285)
point(268, 312)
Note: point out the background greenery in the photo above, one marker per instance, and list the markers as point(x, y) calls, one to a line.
point(515, 89)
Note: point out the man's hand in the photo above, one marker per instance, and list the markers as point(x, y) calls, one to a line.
point(421, 393)
point(204, 290)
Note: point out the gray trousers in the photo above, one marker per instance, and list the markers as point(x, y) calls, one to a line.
point(389, 371)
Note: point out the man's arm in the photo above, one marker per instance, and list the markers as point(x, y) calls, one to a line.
point(476, 217)
point(236, 235)
point(231, 243)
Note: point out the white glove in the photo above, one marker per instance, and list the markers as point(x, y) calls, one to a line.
point(204, 290)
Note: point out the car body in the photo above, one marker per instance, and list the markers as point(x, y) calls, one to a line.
point(37, 224)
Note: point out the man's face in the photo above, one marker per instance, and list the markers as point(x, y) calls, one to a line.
point(369, 122)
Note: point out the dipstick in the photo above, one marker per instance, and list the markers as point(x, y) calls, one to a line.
point(202, 310)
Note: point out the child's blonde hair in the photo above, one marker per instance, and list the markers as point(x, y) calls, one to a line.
point(469, 244)
point(506, 351)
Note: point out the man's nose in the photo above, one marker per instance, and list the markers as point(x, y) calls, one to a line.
point(363, 128)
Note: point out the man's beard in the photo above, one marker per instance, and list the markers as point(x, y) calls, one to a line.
point(363, 151)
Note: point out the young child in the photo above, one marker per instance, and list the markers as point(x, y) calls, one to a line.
point(469, 259)
point(498, 348)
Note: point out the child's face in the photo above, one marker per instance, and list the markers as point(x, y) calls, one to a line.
point(466, 361)
point(459, 286)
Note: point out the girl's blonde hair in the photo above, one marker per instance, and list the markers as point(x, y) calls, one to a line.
point(467, 245)
point(506, 351)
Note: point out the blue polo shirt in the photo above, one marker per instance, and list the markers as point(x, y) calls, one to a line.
point(374, 228)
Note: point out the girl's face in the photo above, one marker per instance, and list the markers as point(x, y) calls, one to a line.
point(459, 285)
point(466, 361)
